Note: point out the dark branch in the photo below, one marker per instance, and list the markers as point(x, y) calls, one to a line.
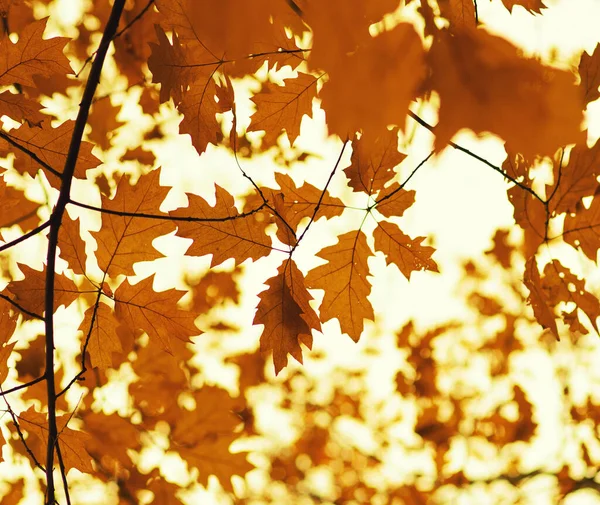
point(22, 238)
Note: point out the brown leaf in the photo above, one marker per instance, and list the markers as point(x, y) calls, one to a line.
point(533, 6)
point(32, 55)
point(17, 209)
point(582, 228)
point(373, 161)
point(406, 253)
point(225, 234)
point(537, 297)
point(530, 215)
point(71, 245)
point(125, 240)
point(286, 314)
point(103, 337)
point(156, 313)
point(72, 443)
point(50, 144)
point(344, 279)
point(365, 92)
point(202, 437)
point(281, 108)
point(589, 72)
point(473, 72)
point(30, 292)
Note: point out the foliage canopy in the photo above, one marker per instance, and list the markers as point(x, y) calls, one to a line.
point(100, 211)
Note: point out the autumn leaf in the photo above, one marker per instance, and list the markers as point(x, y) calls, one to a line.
point(533, 6)
point(203, 436)
point(365, 92)
point(460, 13)
point(50, 146)
point(72, 246)
point(577, 180)
point(475, 73)
point(221, 230)
point(20, 108)
point(32, 55)
point(29, 293)
point(344, 280)
point(372, 163)
point(407, 254)
point(530, 215)
point(104, 122)
point(72, 442)
point(582, 228)
point(281, 108)
point(126, 239)
point(103, 336)
point(538, 299)
point(589, 72)
point(394, 200)
point(16, 208)
point(156, 313)
point(287, 316)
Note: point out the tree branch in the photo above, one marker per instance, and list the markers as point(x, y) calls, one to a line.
point(55, 222)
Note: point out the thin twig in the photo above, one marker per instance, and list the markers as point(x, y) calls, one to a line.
point(22, 386)
point(458, 147)
point(27, 235)
point(166, 217)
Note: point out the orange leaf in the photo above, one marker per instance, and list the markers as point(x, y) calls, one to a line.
point(104, 339)
point(32, 55)
point(533, 6)
point(365, 92)
point(72, 246)
point(406, 253)
point(286, 314)
point(530, 215)
point(394, 200)
point(582, 229)
point(30, 291)
point(226, 234)
point(125, 240)
point(16, 208)
point(589, 72)
point(202, 437)
point(104, 122)
point(50, 144)
point(281, 108)
point(72, 443)
point(20, 108)
point(460, 13)
point(158, 314)
point(487, 86)
point(578, 179)
point(344, 279)
point(373, 162)
point(537, 297)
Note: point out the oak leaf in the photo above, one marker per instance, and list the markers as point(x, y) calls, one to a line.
point(344, 280)
point(406, 253)
point(32, 55)
point(203, 436)
point(365, 92)
point(125, 239)
point(589, 72)
point(530, 214)
point(281, 108)
point(104, 122)
point(394, 200)
point(487, 86)
point(582, 228)
point(29, 293)
point(17, 209)
point(533, 6)
point(286, 314)
point(224, 233)
point(50, 145)
point(20, 108)
point(103, 336)
point(156, 313)
point(577, 180)
point(71, 245)
point(538, 299)
point(72, 442)
point(372, 163)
